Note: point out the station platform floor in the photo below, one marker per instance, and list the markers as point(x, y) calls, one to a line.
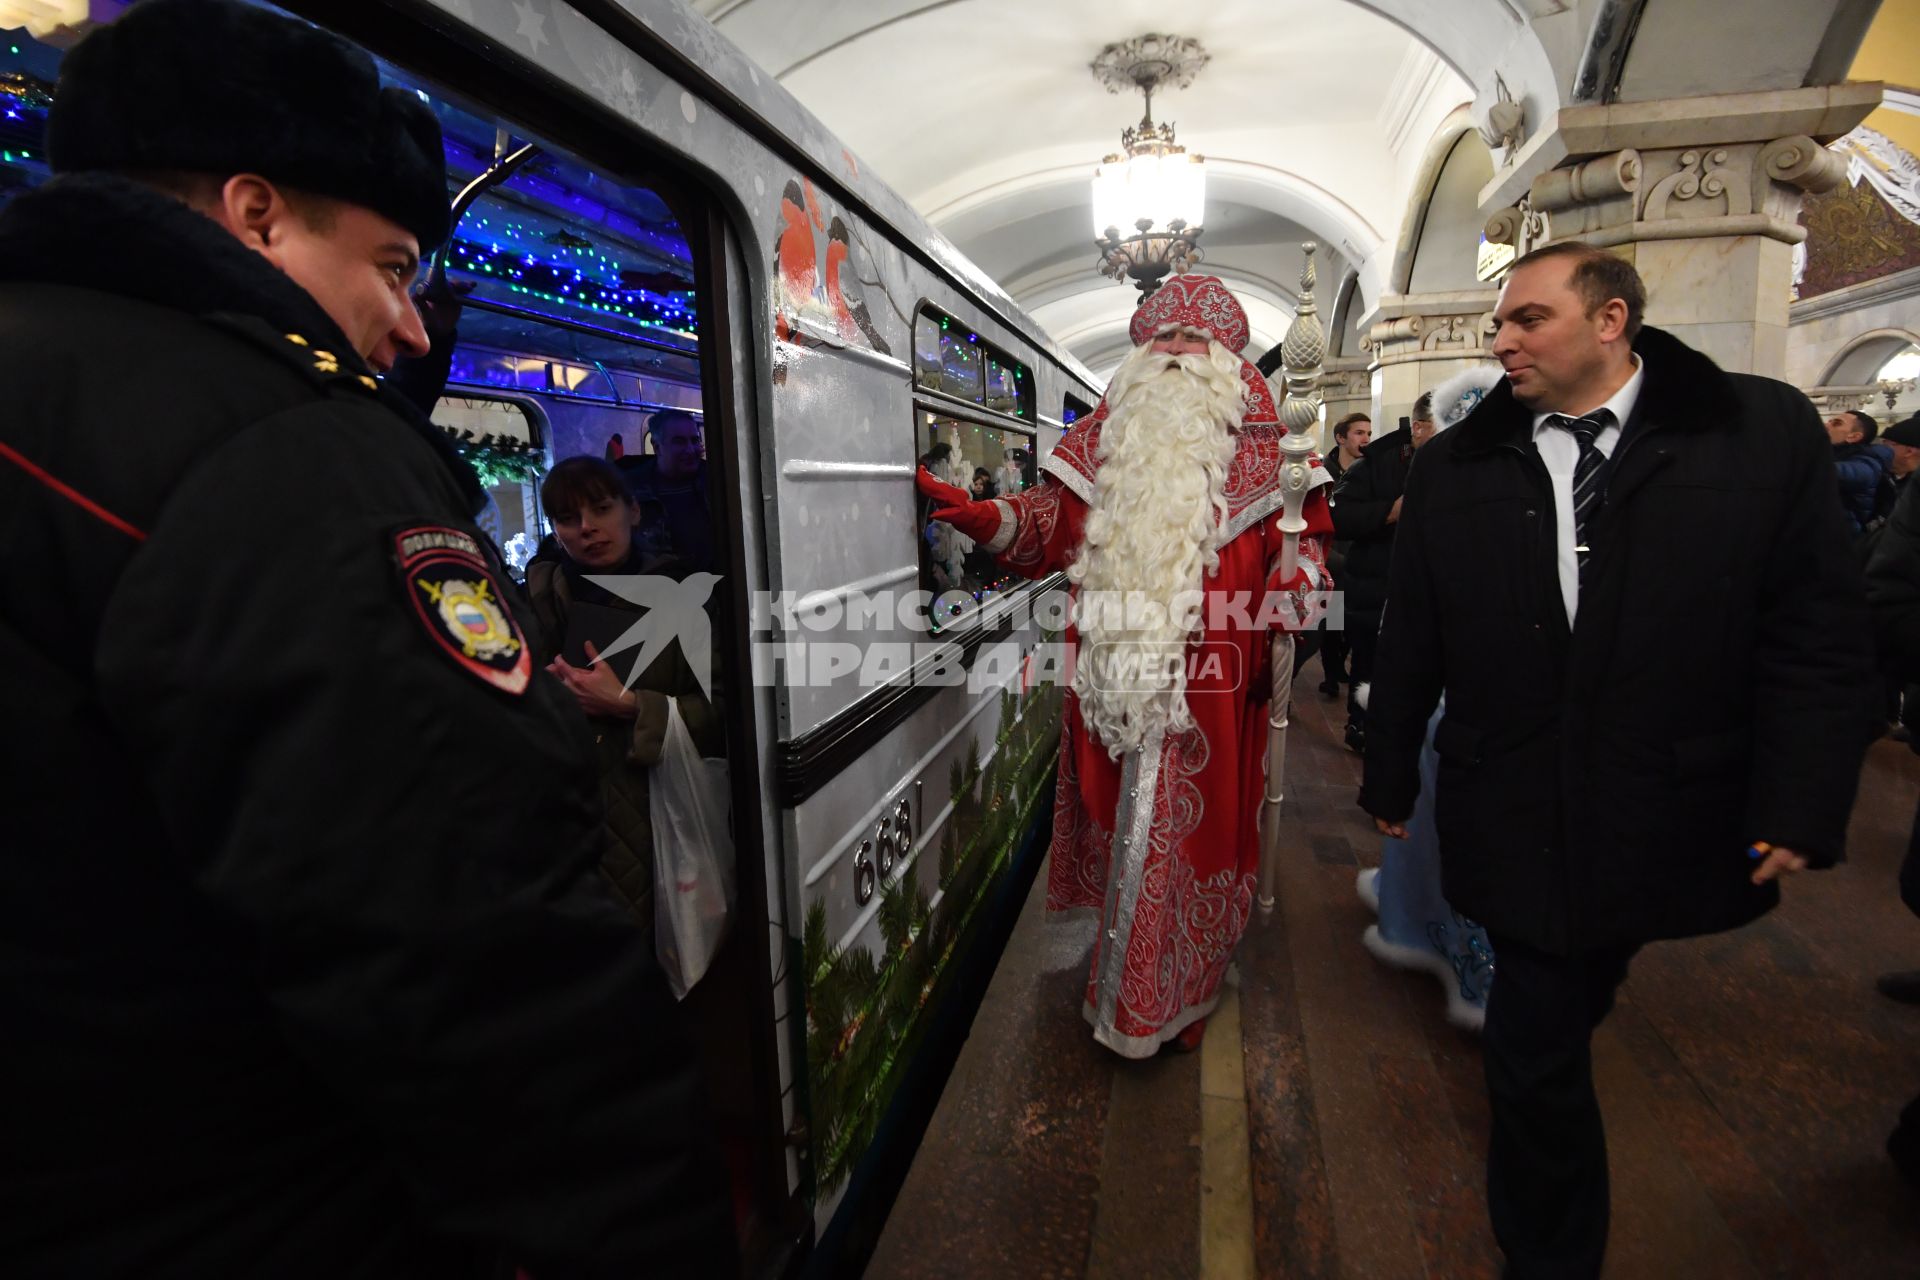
point(1333, 1124)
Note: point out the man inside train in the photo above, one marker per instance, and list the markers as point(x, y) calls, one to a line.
point(306, 963)
point(670, 484)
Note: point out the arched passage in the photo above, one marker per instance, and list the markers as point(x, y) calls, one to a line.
point(1860, 361)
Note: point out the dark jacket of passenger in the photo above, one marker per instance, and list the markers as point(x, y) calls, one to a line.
point(675, 518)
point(627, 751)
point(331, 985)
point(1361, 503)
point(1336, 464)
point(1337, 549)
point(1601, 784)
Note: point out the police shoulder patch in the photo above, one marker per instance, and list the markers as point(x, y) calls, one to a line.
point(456, 596)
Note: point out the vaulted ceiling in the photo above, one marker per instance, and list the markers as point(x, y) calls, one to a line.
point(990, 122)
point(1318, 118)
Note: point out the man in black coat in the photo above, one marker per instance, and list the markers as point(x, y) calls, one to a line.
point(1350, 435)
point(1366, 515)
point(670, 484)
point(306, 966)
point(1645, 773)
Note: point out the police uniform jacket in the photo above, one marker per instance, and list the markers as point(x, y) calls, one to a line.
point(306, 968)
point(1600, 784)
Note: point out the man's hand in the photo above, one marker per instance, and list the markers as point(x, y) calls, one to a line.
point(1398, 830)
point(595, 687)
point(1393, 512)
point(1779, 861)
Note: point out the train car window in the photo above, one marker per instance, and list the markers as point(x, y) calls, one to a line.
point(927, 372)
point(581, 302)
point(988, 462)
point(1072, 409)
point(988, 459)
point(952, 360)
point(1000, 396)
point(960, 357)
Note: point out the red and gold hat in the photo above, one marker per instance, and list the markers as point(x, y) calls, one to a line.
point(1192, 302)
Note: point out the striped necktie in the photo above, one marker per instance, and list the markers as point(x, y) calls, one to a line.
point(1588, 487)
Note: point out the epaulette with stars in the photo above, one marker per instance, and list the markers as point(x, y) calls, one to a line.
point(331, 370)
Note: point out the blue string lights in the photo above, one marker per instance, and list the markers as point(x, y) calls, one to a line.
point(566, 275)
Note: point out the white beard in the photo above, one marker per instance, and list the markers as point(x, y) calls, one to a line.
point(1157, 522)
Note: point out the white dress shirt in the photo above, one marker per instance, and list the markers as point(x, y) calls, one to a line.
point(1560, 451)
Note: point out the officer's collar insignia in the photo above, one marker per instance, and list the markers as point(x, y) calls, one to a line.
point(456, 596)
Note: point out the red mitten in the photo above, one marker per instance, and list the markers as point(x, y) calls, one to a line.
point(1302, 612)
point(939, 491)
point(1297, 582)
point(978, 520)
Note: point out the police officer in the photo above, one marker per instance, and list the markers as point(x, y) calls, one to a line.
point(305, 965)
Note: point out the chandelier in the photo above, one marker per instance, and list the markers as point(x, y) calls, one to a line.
point(1152, 185)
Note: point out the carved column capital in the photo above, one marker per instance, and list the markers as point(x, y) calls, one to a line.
point(1439, 326)
point(1681, 193)
point(1841, 399)
point(1345, 378)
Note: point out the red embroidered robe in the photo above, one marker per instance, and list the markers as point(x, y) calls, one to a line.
point(1163, 844)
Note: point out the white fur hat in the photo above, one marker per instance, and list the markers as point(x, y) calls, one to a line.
point(1461, 394)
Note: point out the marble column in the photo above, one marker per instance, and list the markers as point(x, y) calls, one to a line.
point(1419, 340)
point(1702, 195)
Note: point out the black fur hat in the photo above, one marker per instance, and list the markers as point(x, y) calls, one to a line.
point(221, 87)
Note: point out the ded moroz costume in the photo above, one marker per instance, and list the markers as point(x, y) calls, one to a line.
point(1156, 820)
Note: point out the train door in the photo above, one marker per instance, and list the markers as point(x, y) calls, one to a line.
point(593, 321)
point(598, 295)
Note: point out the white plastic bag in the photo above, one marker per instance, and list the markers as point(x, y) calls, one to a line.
point(692, 856)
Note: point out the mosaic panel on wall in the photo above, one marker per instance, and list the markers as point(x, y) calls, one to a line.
point(1854, 235)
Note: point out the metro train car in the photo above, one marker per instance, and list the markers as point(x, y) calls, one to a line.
point(647, 221)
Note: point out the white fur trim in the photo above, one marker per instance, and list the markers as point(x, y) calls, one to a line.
point(1461, 394)
point(1079, 485)
point(1003, 537)
point(1461, 1013)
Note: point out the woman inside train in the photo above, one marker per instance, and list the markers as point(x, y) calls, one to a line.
point(593, 518)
